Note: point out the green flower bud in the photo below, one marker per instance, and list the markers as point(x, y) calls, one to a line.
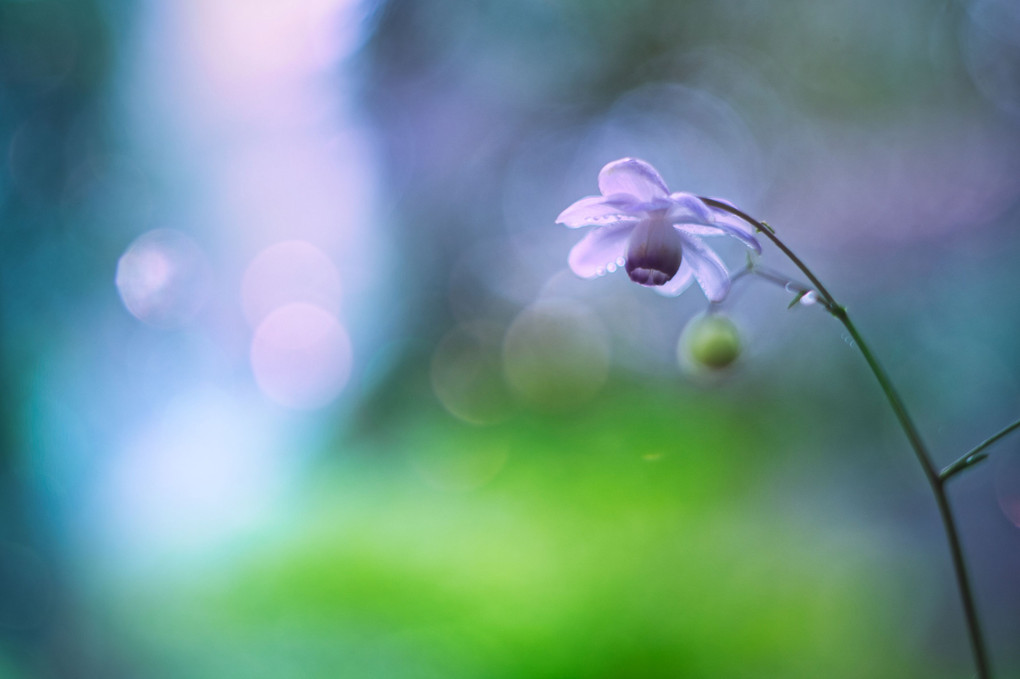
point(711, 341)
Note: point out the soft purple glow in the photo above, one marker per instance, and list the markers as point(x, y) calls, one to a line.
point(301, 356)
point(236, 48)
point(654, 234)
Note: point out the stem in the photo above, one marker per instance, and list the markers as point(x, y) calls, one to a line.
point(787, 284)
point(772, 277)
point(935, 480)
point(974, 455)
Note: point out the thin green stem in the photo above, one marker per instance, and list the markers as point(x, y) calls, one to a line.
point(931, 473)
point(778, 279)
point(800, 289)
point(975, 455)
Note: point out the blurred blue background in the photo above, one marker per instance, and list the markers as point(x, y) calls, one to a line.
point(295, 382)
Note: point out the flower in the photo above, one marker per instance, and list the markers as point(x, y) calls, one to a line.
point(654, 234)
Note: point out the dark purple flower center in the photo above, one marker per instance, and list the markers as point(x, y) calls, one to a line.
point(653, 253)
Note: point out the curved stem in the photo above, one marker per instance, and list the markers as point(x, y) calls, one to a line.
point(931, 473)
point(975, 455)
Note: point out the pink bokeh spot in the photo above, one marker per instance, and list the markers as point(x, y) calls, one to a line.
point(291, 271)
point(301, 356)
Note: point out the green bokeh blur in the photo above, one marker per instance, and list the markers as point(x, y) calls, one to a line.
point(645, 536)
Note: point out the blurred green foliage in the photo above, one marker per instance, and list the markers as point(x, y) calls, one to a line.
point(639, 536)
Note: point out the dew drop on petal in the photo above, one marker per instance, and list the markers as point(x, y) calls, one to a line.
point(611, 267)
point(621, 261)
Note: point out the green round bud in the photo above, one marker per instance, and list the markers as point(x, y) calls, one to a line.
point(710, 340)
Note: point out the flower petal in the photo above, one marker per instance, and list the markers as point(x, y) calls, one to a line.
point(721, 230)
point(708, 269)
point(720, 216)
point(686, 207)
point(633, 177)
point(678, 283)
point(601, 210)
point(600, 250)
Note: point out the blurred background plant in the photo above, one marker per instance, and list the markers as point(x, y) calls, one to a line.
point(294, 380)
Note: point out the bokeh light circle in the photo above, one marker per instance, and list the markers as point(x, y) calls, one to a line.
point(556, 354)
point(467, 373)
point(697, 140)
point(162, 278)
point(287, 272)
point(301, 356)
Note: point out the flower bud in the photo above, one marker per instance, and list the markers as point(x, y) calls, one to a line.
point(711, 341)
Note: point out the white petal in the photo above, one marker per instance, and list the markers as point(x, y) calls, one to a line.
point(708, 269)
point(593, 210)
point(604, 246)
point(633, 177)
point(678, 283)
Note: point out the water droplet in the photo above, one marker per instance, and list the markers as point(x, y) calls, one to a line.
point(789, 287)
point(611, 267)
point(600, 271)
point(809, 298)
point(620, 261)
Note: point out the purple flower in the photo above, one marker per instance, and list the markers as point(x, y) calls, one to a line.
point(654, 234)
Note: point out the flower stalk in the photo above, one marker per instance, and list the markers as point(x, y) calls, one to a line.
point(656, 236)
point(976, 454)
point(936, 480)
